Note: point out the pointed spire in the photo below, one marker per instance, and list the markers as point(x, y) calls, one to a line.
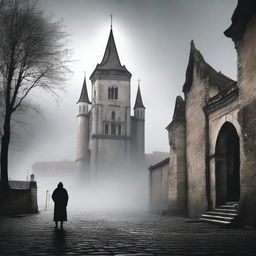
point(138, 102)
point(84, 94)
point(110, 61)
point(111, 58)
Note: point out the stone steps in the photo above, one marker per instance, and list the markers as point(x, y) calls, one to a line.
point(224, 215)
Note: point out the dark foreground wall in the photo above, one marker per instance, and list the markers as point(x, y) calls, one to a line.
point(20, 198)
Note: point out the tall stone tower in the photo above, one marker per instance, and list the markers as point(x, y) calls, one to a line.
point(107, 133)
point(83, 124)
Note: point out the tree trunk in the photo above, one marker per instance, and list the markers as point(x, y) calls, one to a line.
point(4, 152)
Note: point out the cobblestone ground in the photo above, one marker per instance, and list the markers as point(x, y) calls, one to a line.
point(120, 234)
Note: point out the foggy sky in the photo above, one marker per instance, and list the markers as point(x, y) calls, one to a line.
point(153, 39)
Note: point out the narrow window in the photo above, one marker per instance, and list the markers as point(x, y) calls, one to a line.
point(113, 128)
point(79, 109)
point(119, 129)
point(116, 93)
point(106, 128)
point(83, 108)
point(109, 92)
point(113, 115)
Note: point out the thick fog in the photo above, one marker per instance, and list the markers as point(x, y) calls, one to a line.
point(153, 40)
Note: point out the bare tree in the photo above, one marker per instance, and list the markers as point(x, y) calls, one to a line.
point(33, 55)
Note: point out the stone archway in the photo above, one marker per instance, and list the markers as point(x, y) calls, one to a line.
point(227, 165)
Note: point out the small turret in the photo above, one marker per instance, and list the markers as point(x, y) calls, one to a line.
point(139, 129)
point(139, 109)
point(83, 154)
point(83, 101)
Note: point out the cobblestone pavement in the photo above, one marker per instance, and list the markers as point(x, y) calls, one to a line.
point(120, 234)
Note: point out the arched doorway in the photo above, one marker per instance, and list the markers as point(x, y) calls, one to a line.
point(227, 162)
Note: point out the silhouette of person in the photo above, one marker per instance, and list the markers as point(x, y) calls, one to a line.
point(60, 198)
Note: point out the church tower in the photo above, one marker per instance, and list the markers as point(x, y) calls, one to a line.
point(83, 122)
point(110, 115)
point(110, 141)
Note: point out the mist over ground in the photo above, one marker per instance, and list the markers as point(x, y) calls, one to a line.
point(152, 39)
point(127, 191)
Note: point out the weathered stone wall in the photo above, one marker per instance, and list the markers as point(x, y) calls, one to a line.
point(246, 50)
point(158, 180)
point(19, 201)
point(177, 185)
point(195, 145)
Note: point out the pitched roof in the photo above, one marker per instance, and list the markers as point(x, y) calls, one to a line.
point(160, 164)
point(110, 60)
point(196, 59)
point(138, 102)
point(179, 111)
point(84, 94)
point(243, 13)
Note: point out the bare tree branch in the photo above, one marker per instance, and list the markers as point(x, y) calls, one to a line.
point(33, 55)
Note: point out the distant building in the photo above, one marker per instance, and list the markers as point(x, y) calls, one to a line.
point(109, 140)
point(54, 169)
point(212, 134)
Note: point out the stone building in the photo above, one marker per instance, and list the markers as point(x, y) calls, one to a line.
point(212, 135)
point(109, 139)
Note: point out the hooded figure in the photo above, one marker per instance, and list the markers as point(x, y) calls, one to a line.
point(60, 198)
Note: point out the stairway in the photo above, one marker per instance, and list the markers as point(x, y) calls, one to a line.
point(224, 215)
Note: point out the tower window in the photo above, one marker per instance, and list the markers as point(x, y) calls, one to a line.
point(112, 93)
point(113, 129)
point(119, 129)
point(116, 93)
point(113, 115)
point(106, 128)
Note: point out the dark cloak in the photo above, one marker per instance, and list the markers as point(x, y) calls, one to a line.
point(60, 198)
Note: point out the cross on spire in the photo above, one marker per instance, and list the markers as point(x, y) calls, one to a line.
point(111, 19)
point(139, 81)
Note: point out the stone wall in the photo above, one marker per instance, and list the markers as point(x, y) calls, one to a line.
point(195, 145)
point(158, 180)
point(246, 49)
point(21, 198)
point(177, 188)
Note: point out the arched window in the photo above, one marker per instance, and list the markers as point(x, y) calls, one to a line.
point(113, 115)
point(112, 93)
